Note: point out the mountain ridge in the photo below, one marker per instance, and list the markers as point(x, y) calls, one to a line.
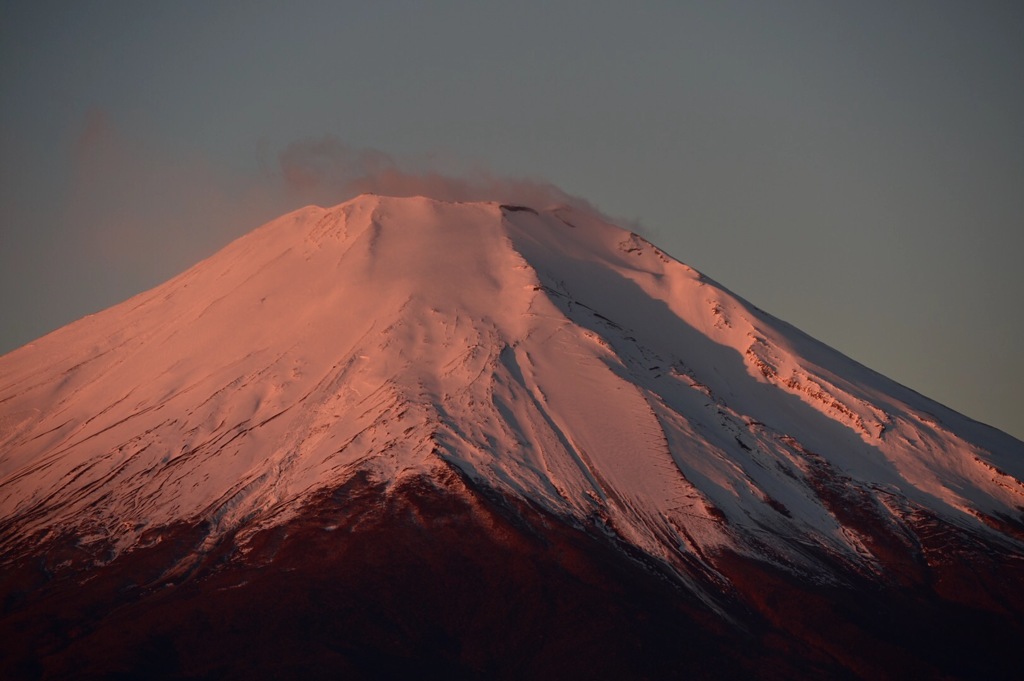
point(333, 304)
point(544, 356)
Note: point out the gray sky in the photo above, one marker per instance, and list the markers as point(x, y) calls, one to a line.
point(856, 169)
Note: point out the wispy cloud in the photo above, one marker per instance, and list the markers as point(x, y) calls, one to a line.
point(327, 170)
point(141, 208)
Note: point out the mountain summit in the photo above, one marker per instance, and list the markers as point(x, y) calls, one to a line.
point(530, 398)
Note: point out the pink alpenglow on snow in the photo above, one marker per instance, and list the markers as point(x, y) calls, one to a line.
point(556, 361)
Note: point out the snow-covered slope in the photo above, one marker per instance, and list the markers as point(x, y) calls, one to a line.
point(551, 357)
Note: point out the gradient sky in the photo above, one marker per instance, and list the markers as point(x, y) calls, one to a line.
point(856, 169)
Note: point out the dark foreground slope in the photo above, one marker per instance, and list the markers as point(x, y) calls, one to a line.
point(435, 577)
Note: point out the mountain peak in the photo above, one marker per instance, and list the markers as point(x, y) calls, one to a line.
point(543, 356)
point(545, 353)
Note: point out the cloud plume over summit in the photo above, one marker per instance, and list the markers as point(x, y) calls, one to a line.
point(328, 170)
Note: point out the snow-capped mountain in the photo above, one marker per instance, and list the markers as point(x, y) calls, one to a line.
point(534, 360)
